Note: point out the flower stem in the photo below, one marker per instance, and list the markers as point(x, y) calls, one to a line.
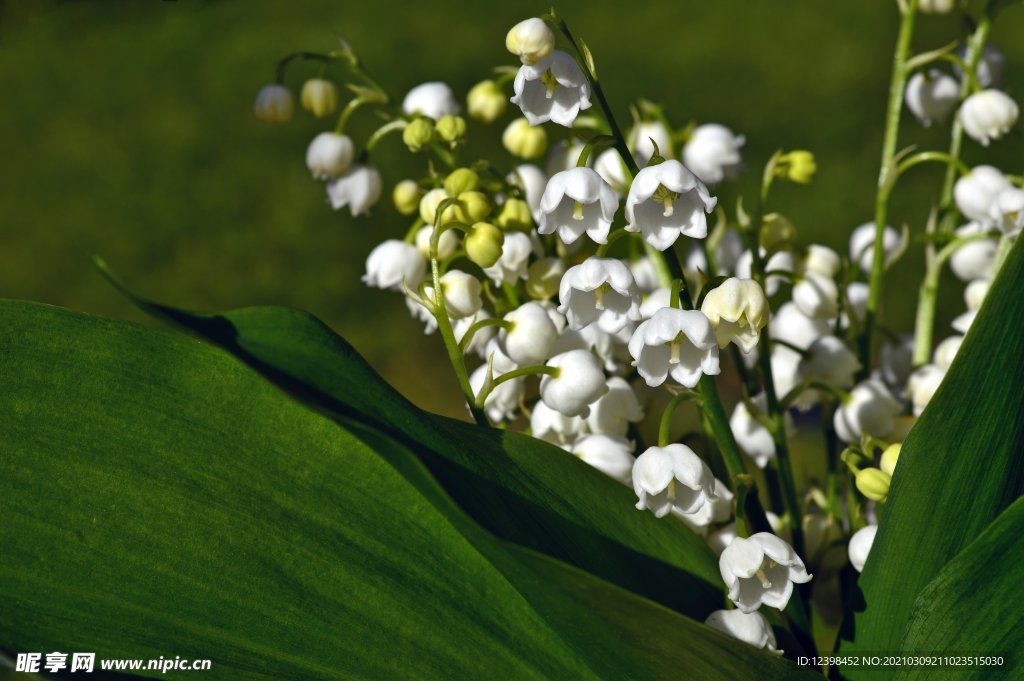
point(885, 179)
point(665, 428)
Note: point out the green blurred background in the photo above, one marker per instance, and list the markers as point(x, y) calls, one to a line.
point(126, 131)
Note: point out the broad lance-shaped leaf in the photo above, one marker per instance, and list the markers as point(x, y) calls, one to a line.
point(518, 487)
point(960, 466)
point(159, 499)
point(975, 606)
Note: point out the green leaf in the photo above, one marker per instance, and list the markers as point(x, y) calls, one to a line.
point(159, 499)
point(960, 466)
point(518, 487)
point(975, 605)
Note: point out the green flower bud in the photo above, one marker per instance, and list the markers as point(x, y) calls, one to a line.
point(486, 102)
point(483, 244)
point(889, 458)
point(797, 166)
point(524, 140)
point(418, 134)
point(430, 203)
point(515, 215)
point(471, 207)
point(319, 97)
point(776, 229)
point(873, 483)
point(461, 180)
point(543, 278)
point(451, 129)
point(406, 196)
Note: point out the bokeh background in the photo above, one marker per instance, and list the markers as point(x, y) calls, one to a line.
point(126, 131)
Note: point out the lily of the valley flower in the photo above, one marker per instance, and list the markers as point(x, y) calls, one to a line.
point(817, 296)
point(1008, 211)
point(975, 193)
point(461, 293)
point(531, 40)
point(761, 570)
point(599, 291)
point(432, 100)
point(988, 115)
point(611, 455)
point(713, 153)
point(531, 336)
point(665, 201)
point(738, 310)
point(554, 89)
point(358, 188)
point(577, 201)
point(860, 546)
point(870, 409)
point(751, 435)
point(676, 343)
point(274, 104)
point(578, 384)
point(932, 96)
point(515, 257)
point(329, 155)
point(750, 628)
point(862, 245)
point(974, 259)
point(672, 477)
point(615, 410)
point(393, 263)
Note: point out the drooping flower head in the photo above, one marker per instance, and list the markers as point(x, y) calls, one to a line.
point(359, 188)
point(665, 201)
point(672, 477)
point(599, 291)
point(761, 570)
point(577, 201)
point(738, 310)
point(554, 89)
point(676, 343)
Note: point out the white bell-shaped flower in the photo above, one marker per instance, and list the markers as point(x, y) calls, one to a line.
point(791, 325)
point(817, 296)
point(446, 244)
point(975, 292)
point(738, 310)
point(554, 89)
point(502, 402)
point(533, 182)
point(577, 202)
point(860, 546)
point(563, 156)
point(643, 138)
point(613, 456)
point(515, 258)
point(654, 301)
point(531, 338)
point(896, 361)
point(782, 261)
point(713, 153)
point(751, 628)
point(665, 201)
point(991, 69)
point(1008, 211)
point(922, 384)
point(975, 193)
point(432, 100)
point(599, 291)
point(714, 511)
point(785, 365)
point(870, 409)
point(615, 410)
point(676, 343)
point(761, 570)
point(274, 104)
point(359, 188)
point(612, 169)
point(822, 260)
point(461, 293)
point(830, 361)
point(751, 436)
point(974, 259)
point(932, 96)
point(329, 155)
point(988, 115)
point(857, 294)
point(946, 351)
point(862, 245)
point(579, 383)
point(393, 262)
point(554, 427)
point(643, 273)
point(672, 477)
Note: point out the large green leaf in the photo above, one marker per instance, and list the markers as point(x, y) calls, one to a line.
point(159, 499)
point(960, 466)
point(975, 606)
point(518, 487)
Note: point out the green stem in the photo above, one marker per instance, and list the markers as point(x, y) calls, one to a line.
point(596, 142)
point(617, 234)
point(885, 180)
point(381, 132)
point(346, 113)
point(467, 338)
point(665, 428)
point(932, 156)
point(515, 373)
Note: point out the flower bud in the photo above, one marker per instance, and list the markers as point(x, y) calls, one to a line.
point(451, 129)
point(817, 296)
point(988, 115)
point(406, 196)
point(523, 140)
point(393, 263)
point(429, 204)
point(931, 96)
point(461, 180)
point(543, 278)
point(446, 244)
point(358, 188)
point(418, 134)
point(860, 546)
point(862, 245)
point(738, 310)
point(777, 229)
point(713, 153)
point(797, 166)
point(889, 458)
point(936, 6)
point(274, 104)
point(531, 40)
point(329, 155)
point(531, 337)
point(873, 483)
point(483, 244)
point(461, 293)
point(319, 97)
point(822, 259)
point(750, 628)
point(579, 383)
point(486, 102)
point(975, 193)
point(470, 207)
point(515, 216)
point(432, 100)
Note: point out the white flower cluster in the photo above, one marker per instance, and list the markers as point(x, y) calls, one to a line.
point(590, 292)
